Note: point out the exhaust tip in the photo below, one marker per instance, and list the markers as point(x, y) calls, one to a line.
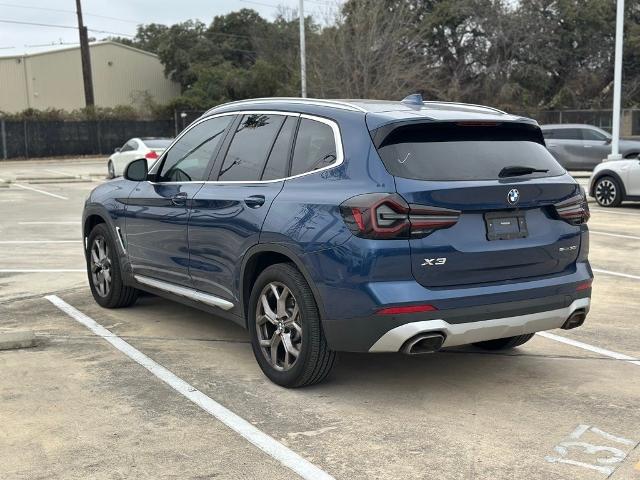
point(423, 343)
point(575, 320)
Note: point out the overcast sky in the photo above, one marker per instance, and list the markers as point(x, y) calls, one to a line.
point(123, 15)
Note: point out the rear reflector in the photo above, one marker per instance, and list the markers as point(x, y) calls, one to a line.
point(407, 309)
point(584, 286)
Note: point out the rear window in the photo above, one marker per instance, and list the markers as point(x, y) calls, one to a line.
point(451, 151)
point(158, 143)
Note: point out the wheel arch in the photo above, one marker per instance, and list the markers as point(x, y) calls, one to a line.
point(262, 256)
point(607, 173)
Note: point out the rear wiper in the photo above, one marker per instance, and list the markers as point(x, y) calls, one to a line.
point(517, 170)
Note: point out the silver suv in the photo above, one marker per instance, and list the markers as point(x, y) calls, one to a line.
point(582, 147)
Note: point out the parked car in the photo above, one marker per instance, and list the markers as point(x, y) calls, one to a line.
point(613, 182)
point(360, 226)
point(582, 147)
point(148, 147)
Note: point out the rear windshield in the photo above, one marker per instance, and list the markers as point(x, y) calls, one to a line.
point(158, 142)
point(455, 151)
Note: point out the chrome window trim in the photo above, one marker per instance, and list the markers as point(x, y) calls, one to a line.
point(337, 136)
point(301, 101)
point(185, 292)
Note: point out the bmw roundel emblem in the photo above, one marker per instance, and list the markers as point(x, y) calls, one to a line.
point(513, 196)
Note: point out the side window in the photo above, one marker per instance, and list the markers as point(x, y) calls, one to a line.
point(568, 134)
point(250, 146)
point(588, 134)
point(315, 147)
point(278, 161)
point(189, 157)
point(127, 147)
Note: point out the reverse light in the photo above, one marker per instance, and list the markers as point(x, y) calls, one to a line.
point(151, 155)
point(406, 309)
point(574, 210)
point(389, 216)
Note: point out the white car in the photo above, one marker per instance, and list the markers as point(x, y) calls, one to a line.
point(148, 147)
point(614, 181)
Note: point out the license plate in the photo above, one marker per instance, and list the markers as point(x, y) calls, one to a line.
point(505, 225)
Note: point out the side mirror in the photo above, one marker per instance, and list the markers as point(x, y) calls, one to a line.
point(116, 150)
point(137, 170)
point(607, 141)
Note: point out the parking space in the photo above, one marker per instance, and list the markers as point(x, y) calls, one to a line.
point(78, 406)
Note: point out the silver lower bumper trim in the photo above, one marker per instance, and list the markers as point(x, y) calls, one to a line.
point(185, 292)
point(471, 332)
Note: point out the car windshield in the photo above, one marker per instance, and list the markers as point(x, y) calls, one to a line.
point(158, 142)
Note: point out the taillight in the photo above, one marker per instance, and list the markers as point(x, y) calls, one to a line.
point(574, 210)
point(384, 216)
point(151, 155)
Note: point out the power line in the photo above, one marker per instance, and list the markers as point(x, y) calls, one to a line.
point(29, 7)
point(35, 24)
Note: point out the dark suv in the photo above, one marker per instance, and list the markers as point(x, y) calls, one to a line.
point(361, 226)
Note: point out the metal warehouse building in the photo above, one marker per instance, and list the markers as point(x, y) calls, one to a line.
point(53, 79)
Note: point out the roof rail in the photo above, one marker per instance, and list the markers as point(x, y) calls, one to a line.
point(303, 101)
point(468, 105)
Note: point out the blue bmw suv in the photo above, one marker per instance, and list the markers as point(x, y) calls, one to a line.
point(360, 226)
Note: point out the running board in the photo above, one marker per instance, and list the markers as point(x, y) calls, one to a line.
point(189, 293)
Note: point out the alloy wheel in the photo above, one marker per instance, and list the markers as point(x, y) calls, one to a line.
point(605, 192)
point(279, 326)
point(100, 262)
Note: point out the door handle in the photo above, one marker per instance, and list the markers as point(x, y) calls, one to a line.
point(588, 146)
point(179, 199)
point(254, 201)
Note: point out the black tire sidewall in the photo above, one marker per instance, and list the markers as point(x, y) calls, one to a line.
point(101, 230)
point(286, 274)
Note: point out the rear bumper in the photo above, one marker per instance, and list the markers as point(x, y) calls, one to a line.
point(460, 326)
point(470, 332)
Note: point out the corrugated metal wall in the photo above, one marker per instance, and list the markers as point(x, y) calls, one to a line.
point(121, 76)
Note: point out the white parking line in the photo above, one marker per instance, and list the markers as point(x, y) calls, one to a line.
point(75, 222)
point(591, 348)
point(39, 191)
point(617, 274)
point(20, 242)
point(264, 442)
point(41, 270)
point(618, 235)
point(615, 212)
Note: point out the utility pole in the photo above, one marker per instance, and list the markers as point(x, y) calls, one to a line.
point(303, 54)
point(617, 84)
point(86, 58)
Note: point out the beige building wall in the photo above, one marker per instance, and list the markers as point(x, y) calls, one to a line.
point(121, 76)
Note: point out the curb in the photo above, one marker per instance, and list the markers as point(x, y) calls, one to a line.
point(15, 340)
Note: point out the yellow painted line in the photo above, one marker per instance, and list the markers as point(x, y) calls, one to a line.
point(637, 467)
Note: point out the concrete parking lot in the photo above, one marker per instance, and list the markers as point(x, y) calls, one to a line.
point(563, 406)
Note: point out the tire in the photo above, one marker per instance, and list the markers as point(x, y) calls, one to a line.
point(505, 343)
point(111, 171)
point(302, 332)
point(608, 192)
point(631, 156)
point(109, 291)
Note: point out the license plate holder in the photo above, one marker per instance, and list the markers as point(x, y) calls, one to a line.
point(505, 225)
